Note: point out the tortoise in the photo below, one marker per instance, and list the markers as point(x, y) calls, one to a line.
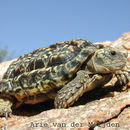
point(62, 72)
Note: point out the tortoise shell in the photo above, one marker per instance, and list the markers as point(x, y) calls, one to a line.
point(47, 68)
point(59, 59)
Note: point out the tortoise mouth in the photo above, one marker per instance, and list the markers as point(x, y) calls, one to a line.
point(117, 65)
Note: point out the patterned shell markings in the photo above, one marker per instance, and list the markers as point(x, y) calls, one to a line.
point(60, 59)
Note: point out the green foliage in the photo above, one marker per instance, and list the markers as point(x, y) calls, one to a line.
point(3, 54)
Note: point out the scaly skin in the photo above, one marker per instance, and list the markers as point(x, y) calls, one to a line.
point(93, 67)
point(77, 87)
point(5, 107)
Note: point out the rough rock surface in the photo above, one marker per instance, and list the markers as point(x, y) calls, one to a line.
point(102, 108)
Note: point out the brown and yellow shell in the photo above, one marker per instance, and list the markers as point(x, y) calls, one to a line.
point(47, 68)
point(59, 59)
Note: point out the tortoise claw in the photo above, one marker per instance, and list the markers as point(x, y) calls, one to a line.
point(6, 113)
point(123, 78)
point(5, 107)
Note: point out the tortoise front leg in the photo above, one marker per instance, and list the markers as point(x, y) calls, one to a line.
point(81, 84)
point(124, 74)
point(5, 107)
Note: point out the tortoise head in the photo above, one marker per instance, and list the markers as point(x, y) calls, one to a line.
point(107, 60)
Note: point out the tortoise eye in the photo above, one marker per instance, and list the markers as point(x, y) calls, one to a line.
point(113, 53)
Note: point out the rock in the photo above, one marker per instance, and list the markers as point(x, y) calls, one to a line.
point(121, 122)
point(102, 108)
point(84, 116)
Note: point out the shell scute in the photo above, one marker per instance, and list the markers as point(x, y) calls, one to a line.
point(67, 56)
